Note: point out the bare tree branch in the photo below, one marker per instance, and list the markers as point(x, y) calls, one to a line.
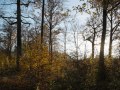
point(117, 4)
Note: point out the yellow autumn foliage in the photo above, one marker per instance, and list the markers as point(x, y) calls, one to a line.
point(35, 55)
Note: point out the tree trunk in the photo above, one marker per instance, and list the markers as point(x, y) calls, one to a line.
point(111, 31)
point(9, 48)
point(65, 40)
point(101, 68)
point(92, 50)
point(119, 50)
point(50, 38)
point(65, 43)
point(42, 22)
point(19, 51)
point(93, 44)
point(65, 34)
point(85, 54)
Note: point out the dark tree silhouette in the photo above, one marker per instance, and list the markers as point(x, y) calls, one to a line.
point(50, 24)
point(42, 22)
point(113, 28)
point(101, 67)
point(91, 31)
point(19, 45)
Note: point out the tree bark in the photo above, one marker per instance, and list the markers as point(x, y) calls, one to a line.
point(19, 45)
point(42, 22)
point(65, 36)
point(93, 44)
point(50, 42)
point(50, 36)
point(111, 31)
point(101, 68)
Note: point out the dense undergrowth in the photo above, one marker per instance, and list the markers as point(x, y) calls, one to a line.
point(62, 74)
